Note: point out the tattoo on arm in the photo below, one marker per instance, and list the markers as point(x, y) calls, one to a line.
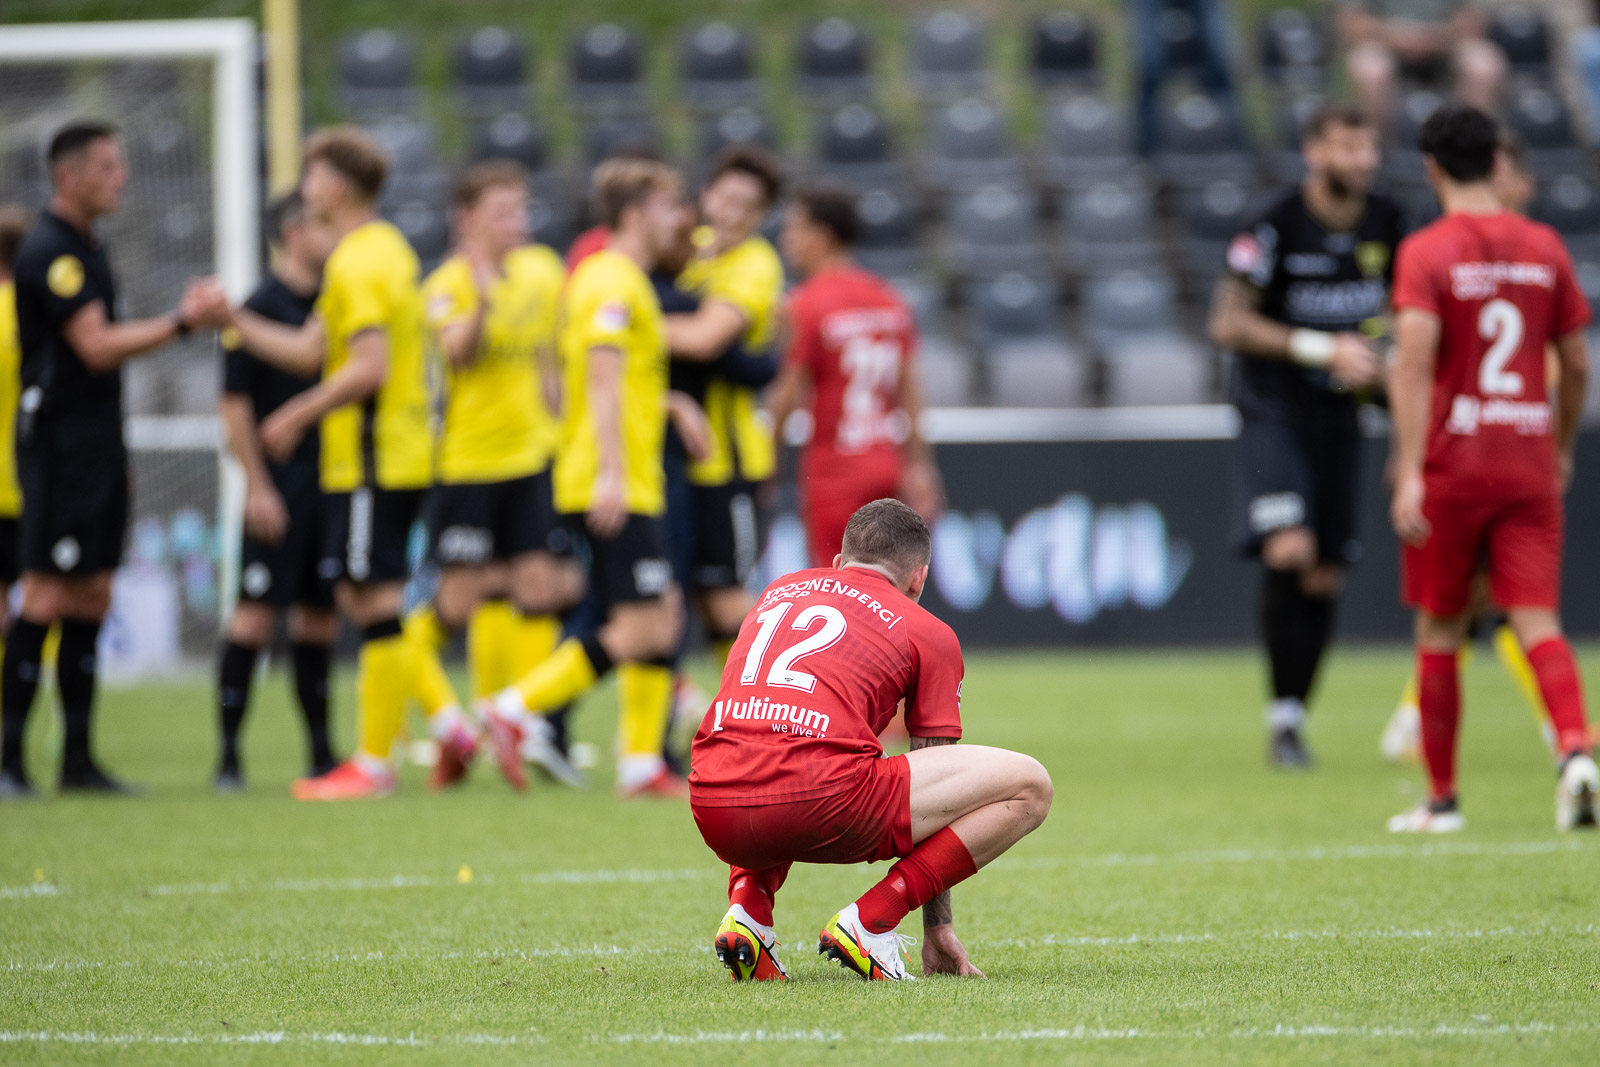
point(935, 912)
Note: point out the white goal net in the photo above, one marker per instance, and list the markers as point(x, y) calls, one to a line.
point(183, 97)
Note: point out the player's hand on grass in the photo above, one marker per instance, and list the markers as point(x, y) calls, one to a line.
point(281, 432)
point(1355, 363)
point(266, 518)
point(943, 953)
point(608, 510)
point(923, 489)
point(1405, 512)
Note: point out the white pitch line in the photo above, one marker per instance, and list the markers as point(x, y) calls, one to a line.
point(1315, 854)
point(259, 1037)
point(599, 951)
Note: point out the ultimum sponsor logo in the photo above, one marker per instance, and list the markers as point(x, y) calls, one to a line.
point(782, 718)
point(1480, 281)
point(1530, 418)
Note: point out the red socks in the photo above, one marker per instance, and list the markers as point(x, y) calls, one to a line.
point(1439, 700)
point(1553, 665)
point(932, 867)
point(754, 890)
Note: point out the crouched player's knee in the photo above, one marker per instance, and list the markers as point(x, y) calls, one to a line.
point(1037, 793)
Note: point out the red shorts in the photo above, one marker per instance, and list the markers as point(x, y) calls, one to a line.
point(831, 491)
point(1519, 539)
point(868, 822)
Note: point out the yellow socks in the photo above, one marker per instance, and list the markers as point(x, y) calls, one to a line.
point(491, 635)
point(644, 698)
point(382, 674)
point(424, 637)
point(535, 639)
point(568, 671)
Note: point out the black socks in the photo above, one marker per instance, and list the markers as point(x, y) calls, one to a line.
point(1295, 628)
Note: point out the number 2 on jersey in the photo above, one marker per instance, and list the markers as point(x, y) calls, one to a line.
point(783, 672)
point(1500, 323)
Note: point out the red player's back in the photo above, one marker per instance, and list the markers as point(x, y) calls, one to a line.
point(854, 334)
point(821, 664)
point(1503, 288)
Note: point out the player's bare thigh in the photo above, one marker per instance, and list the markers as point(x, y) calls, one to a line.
point(950, 781)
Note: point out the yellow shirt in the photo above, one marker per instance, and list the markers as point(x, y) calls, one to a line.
point(609, 301)
point(496, 426)
point(370, 282)
point(749, 276)
point(10, 388)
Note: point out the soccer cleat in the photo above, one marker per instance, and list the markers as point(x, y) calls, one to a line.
point(87, 778)
point(1430, 817)
point(745, 947)
point(877, 957)
point(540, 746)
point(664, 783)
point(14, 785)
point(1285, 750)
point(1575, 793)
point(1401, 741)
point(228, 780)
point(348, 781)
point(457, 749)
point(505, 740)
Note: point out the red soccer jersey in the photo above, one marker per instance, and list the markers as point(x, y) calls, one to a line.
point(1503, 287)
point(820, 665)
point(586, 244)
point(854, 335)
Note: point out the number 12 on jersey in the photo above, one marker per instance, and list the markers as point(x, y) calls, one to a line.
point(784, 672)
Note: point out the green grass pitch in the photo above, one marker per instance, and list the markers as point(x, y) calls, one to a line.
point(1182, 904)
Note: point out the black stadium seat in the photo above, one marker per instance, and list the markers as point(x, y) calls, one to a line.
point(490, 71)
point(1109, 224)
point(854, 145)
point(994, 229)
point(736, 126)
point(607, 69)
point(415, 173)
point(608, 136)
point(1294, 52)
point(511, 136)
point(718, 71)
point(1212, 216)
point(835, 63)
point(1539, 116)
point(377, 75)
point(969, 145)
point(1524, 37)
point(1570, 202)
point(1128, 302)
point(888, 242)
point(1015, 325)
point(1086, 138)
point(1065, 50)
point(1198, 141)
point(948, 55)
point(426, 226)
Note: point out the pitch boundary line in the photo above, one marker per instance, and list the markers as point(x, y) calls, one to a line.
point(259, 1037)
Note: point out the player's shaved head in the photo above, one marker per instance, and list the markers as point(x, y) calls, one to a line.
point(888, 534)
point(1462, 140)
point(70, 141)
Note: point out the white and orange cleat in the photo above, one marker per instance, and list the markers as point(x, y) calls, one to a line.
point(877, 957)
point(745, 947)
point(458, 747)
point(1430, 817)
point(354, 779)
point(1576, 793)
point(506, 733)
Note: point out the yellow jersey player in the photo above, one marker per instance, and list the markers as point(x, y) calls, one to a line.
point(491, 308)
point(13, 227)
point(739, 279)
point(372, 408)
point(609, 481)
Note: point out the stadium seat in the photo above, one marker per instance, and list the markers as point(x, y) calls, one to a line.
point(1086, 139)
point(1570, 202)
point(835, 64)
point(1198, 142)
point(426, 226)
point(552, 218)
point(947, 373)
point(1128, 302)
point(948, 56)
point(1108, 224)
point(1065, 51)
point(1039, 372)
point(614, 134)
point(888, 242)
point(1212, 215)
point(1011, 305)
point(1180, 33)
point(1524, 37)
point(1294, 51)
point(1402, 163)
point(1157, 368)
point(511, 136)
point(490, 70)
point(607, 70)
point(718, 71)
point(968, 145)
point(1285, 163)
point(1538, 115)
point(736, 126)
point(414, 169)
point(854, 145)
point(994, 229)
point(377, 75)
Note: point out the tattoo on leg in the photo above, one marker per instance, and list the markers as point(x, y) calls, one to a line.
point(935, 912)
point(931, 742)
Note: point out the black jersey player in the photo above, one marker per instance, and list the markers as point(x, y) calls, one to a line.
point(1303, 303)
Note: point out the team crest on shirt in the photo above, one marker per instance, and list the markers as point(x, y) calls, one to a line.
point(1244, 254)
point(65, 276)
point(229, 337)
point(1372, 257)
point(257, 579)
point(612, 316)
point(66, 553)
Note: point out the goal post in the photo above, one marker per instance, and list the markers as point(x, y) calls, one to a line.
point(183, 93)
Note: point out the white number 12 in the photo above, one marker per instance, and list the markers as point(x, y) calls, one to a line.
point(783, 672)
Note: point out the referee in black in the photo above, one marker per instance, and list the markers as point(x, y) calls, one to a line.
point(71, 460)
point(1304, 304)
point(282, 509)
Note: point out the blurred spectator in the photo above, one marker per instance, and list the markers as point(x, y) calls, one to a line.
point(1586, 57)
point(1429, 42)
point(1173, 35)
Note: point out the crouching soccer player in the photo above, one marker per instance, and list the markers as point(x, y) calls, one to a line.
point(788, 767)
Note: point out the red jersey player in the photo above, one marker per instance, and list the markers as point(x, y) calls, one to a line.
point(1482, 458)
point(787, 766)
point(850, 356)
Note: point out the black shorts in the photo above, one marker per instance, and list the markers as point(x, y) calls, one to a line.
point(75, 502)
point(288, 572)
point(727, 535)
point(630, 567)
point(1301, 473)
point(10, 551)
point(480, 522)
point(366, 534)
